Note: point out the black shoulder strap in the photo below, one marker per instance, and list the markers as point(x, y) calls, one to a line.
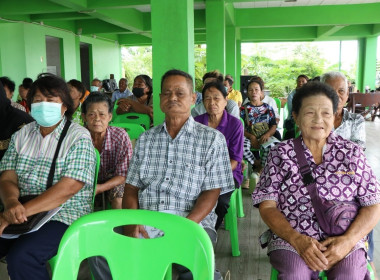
point(52, 167)
point(307, 177)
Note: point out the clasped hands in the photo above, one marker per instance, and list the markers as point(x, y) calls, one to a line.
point(124, 104)
point(14, 213)
point(322, 255)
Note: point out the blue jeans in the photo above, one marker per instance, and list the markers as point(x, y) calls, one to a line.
point(28, 254)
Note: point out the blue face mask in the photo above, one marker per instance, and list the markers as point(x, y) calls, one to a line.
point(46, 114)
point(226, 89)
point(94, 88)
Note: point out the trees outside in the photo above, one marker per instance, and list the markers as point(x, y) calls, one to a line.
point(136, 61)
point(278, 72)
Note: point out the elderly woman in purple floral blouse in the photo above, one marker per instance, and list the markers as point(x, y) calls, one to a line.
point(297, 246)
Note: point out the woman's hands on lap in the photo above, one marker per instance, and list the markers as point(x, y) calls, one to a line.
point(338, 248)
point(264, 138)
point(311, 251)
point(14, 212)
point(3, 223)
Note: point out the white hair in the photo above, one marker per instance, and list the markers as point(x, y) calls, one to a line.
point(332, 76)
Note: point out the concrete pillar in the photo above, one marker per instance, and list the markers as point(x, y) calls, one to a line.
point(366, 75)
point(172, 43)
point(215, 35)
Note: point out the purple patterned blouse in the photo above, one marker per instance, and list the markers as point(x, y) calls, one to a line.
point(344, 174)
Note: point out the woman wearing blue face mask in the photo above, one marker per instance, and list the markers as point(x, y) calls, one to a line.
point(28, 168)
point(141, 101)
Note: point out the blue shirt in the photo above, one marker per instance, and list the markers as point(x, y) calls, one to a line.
point(117, 94)
point(172, 173)
point(233, 131)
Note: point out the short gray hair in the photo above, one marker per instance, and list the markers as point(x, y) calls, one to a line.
point(332, 76)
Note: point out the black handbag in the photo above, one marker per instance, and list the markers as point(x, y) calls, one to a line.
point(36, 218)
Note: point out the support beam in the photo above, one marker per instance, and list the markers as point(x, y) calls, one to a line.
point(26, 7)
point(59, 16)
point(215, 35)
point(309, 15)
point(172, 43)
point(367, 63)
point(326, 31)
point(238, 65)
point(134, 40)
point(278, 34)
point(95, 26)
point(230, 51)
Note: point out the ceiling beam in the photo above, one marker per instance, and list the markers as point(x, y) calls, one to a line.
point(376, 30)
point(95, 26)
point(129, 19)
point(59, 16)
point(308, 15)
point(134, 40)
point(282, 34)
point(230, 14)
point(326, 31)
point(26, 7)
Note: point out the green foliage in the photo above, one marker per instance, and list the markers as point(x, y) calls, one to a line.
point(200, 66)
point(136, 61)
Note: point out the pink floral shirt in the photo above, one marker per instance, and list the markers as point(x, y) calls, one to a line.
point(344, 175)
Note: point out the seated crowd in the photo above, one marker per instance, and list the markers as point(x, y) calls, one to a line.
point(188, 166)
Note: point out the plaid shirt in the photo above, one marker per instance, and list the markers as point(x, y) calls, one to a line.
point(172, 173)
point(31, 155)
point(116, 154)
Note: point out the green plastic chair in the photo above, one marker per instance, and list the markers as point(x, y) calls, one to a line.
point(322, 274)
point(136, 118)
point(230, 221)
point(53, 260)
point(184, 242)
point(278, 103)
point(133, 130)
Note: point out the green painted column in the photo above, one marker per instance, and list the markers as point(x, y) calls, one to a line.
point(231, 51)
point(77, 61)
point(172, 43)
point(215, 35)
point(238, 65)
point(366, 75)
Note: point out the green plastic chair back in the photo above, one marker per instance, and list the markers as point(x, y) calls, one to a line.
point(231, 224)
point(286, 112)
point(278, 102)
point(133, 130)
point(184, 242)
point(53, 260)
point(136, 118)
point(97, 167)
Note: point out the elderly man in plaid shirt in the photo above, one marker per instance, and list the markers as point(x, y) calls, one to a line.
point(179, 167)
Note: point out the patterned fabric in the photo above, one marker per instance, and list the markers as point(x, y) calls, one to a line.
point(25, 105)
point(18, 106)
point(247, 153)
point(172, 173)
point(31, 155)
point(77, 116)
point(344, 175)
point(117, 94)
point(271, 102)
point(236, 96)
point(352, 128)
point(116, 154)
point(257, 114)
